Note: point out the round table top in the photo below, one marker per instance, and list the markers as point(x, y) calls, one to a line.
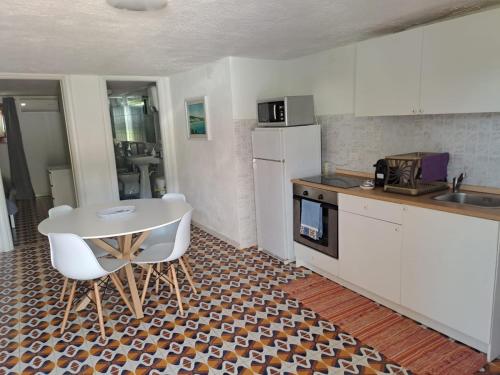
point(83, 221)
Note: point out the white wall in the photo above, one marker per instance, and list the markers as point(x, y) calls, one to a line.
point(328, 75)
point(91, 147)
point(253, 79)
point(206, 169)
point(45, 145)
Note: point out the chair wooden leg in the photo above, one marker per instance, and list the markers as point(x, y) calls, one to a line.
point(158, 269)
point(187, 264)
point(63, 291)
point(177, 291)
point(99, 309)
point(188, 276)
point(119, 286)
point(169, 277)
point(146, 282)
point(68, 307)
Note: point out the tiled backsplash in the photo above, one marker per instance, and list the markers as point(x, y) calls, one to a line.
point(473, 141)
point(245, 191)
point(356, 143)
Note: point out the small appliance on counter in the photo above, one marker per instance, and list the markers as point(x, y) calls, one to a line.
point(380, 172)
point(416, 173)
point(286, 111)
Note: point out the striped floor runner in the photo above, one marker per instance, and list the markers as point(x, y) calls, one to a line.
point(402, 340)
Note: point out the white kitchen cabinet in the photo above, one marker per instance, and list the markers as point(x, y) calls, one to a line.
point(62, 186)
point(388, 75)
point(448, 268)
point(369, 254)
point(460, 65)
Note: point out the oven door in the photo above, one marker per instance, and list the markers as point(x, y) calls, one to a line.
point(328, 243)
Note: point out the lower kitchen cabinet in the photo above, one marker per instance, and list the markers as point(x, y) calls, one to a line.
point(448, 269)
point(370, 254)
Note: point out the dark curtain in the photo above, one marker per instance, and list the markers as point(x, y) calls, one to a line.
point(20, 175)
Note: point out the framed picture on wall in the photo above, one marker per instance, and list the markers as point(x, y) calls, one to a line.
point(198, 126)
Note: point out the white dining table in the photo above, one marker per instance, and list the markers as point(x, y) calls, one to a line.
point(148, 214)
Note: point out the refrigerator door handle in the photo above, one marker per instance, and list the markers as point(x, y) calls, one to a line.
point(277, 161)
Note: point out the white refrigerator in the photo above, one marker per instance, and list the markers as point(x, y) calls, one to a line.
point(279, 155)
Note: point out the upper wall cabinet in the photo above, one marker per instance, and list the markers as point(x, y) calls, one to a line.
point(388, 75)
point(461, 65)
point(447, 67)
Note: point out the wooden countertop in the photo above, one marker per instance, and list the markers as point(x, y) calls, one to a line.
point(424, 201)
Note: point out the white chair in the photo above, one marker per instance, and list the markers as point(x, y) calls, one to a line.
point(168, 252)
point(166, 234)
point(73, 258)
point(98, 252)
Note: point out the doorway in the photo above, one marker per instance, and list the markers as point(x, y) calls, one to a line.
point(137, 141)
point(34, 153)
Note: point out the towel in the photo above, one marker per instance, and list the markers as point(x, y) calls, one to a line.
point(311, 219)
point(435, 167)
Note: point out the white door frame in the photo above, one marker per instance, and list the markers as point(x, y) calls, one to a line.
point(68, 119)
point(72, 143)
point(6, 243)
point(166, 129)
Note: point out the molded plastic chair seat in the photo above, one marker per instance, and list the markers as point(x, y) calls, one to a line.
point(166, 233)
point(74, 259)
point(168, 252)
point(98, 252)
point(161, 235)
point(155, 254)
point(112, 264)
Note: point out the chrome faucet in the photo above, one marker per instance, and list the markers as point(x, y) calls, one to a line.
point(457, 181)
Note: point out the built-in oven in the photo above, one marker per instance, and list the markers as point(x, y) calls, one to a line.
point(329, 241)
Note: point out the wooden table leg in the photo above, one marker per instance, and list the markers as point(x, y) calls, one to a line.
point(134, 293)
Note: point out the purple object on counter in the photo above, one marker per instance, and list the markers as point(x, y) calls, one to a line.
point(435, 167)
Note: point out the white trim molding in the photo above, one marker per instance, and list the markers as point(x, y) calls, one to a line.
point(6, 243)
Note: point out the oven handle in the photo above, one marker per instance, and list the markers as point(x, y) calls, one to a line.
point(323, 203)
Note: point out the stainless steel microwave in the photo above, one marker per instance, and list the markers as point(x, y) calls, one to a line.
point(286, 111)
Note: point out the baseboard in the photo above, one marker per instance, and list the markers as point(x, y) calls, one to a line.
point(214, 233)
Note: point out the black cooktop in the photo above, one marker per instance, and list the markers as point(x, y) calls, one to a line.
point(335, 180)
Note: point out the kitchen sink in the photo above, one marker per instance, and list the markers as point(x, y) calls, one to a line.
point(472, 199)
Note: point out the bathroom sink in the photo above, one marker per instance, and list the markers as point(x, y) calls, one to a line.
point(144, 160)
point(472, 199)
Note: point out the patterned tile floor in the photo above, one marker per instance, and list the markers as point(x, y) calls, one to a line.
point(240, 322)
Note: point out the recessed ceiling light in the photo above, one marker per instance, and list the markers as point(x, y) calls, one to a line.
point(23, 104)
point(138, 5)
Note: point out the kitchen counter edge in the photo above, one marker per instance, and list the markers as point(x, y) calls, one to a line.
point(424, 201)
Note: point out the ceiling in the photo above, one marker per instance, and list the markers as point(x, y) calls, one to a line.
point(29, 87)
point(89, 36)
